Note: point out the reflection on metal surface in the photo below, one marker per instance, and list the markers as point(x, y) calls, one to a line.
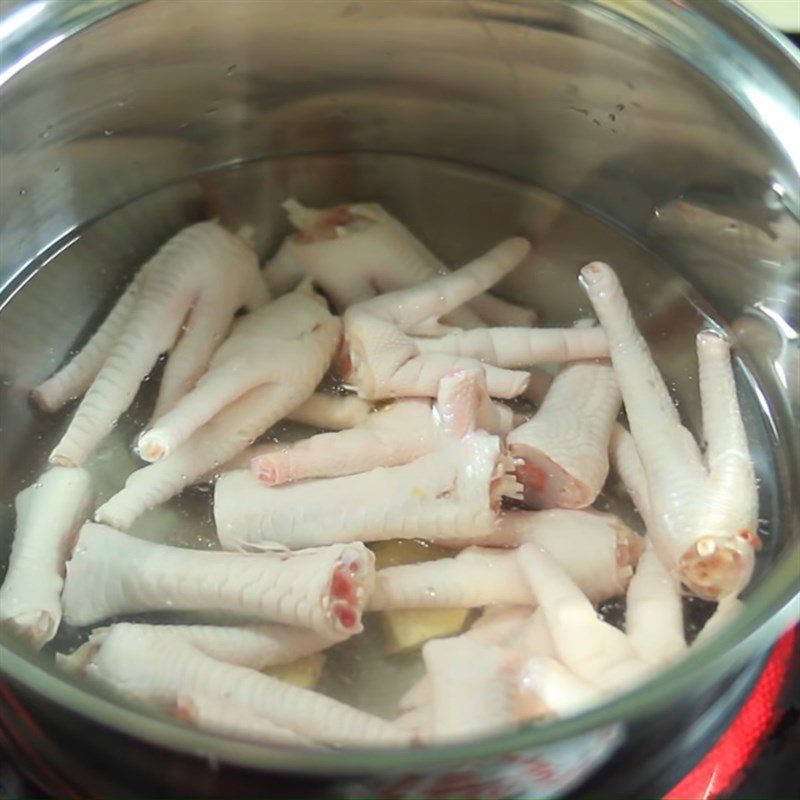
point(621, 108)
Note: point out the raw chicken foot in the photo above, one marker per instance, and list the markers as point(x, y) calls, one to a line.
point(113, 573)
point(271, 346)
point(383, 361)
point(703, 511)
point(354, 252)
point(154, 666)
point(49, 514)
point(187, 293)
point(561, 454)
point(229, 432)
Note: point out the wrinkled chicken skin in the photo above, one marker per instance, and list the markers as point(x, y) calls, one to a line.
point(486, 576)
point(255, 646)
point(517, 348)
point(159, 668)
point(561, 454)
point(471, 690)
point(228, 433)
point(395, 435)
point(49, 514)
point(451, 492)
point(385, 362)
point(184, 298)
point(271, 346)
point(113, 573)
point(354, 252)
point(704, 512)
point(222, 717)
point(594, 650)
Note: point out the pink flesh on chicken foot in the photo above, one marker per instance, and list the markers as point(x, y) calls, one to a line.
point(561, 454)
point(704, 511)
point(270, 346)
point(158, 668)
point(187, 293)
point(386, 362)
point(113, 573)
point(49, 514)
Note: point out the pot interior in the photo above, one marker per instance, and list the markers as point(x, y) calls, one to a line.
point(559, 121)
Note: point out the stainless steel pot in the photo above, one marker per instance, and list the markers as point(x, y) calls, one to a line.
point(675, 122)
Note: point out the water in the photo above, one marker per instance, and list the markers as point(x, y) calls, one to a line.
point(459, 213)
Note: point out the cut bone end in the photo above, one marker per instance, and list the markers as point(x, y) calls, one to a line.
point(153, 445)
point(348, 591)
point(267, 469)
point(714, 567)
point(630, 546)
point(547, 484)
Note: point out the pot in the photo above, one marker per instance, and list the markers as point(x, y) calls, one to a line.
point(660, 136)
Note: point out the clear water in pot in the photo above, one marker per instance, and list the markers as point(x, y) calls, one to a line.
point(459, 213)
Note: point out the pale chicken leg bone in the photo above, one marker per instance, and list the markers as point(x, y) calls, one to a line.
point(271, 346)
point(703, 514)
point(113, 573)
point(199, 279)
point(561, 454)
point(384, 361)
point(49, 514)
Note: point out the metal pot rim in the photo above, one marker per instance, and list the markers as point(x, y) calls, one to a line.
point(33, 28)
